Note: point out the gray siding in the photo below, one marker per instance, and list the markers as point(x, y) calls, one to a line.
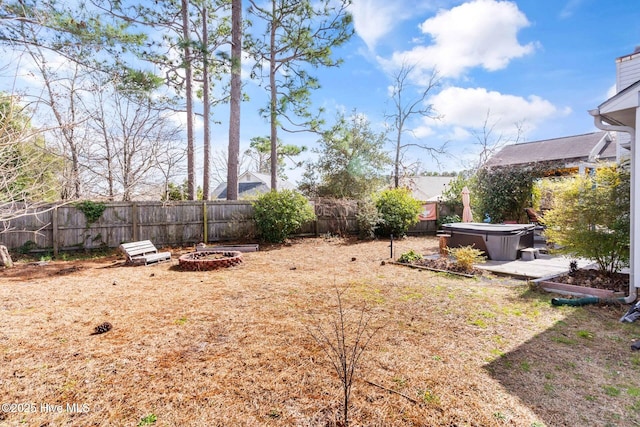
point(628, 71)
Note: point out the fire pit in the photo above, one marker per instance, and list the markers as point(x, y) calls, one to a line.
point(209, 260)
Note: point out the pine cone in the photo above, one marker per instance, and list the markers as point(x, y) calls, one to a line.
point(102, 328)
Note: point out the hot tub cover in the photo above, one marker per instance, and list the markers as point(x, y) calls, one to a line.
point(481, 227)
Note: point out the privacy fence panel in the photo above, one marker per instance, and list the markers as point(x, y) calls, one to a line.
point(230, 220)
point(334, 217)
point(65, 227)
point(30, 230)
point(170, 224)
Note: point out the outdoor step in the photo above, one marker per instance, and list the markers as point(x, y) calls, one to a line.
point(529, 254)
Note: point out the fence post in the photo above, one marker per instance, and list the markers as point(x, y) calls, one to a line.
point(204, 223)
point(134, 218)
point(54, 231)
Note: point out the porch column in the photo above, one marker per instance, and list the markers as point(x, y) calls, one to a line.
point(635, 206)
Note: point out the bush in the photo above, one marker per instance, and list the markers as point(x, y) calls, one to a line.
point(398, 210)
point(410, 257)
point(503, 193)
point(448, 219)
point(368, 219)
point(466, 256)
point(590, 218)
point(279, 213)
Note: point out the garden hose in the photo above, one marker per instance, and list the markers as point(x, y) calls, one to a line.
point(583, 301)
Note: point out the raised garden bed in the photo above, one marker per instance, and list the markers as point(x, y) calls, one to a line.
point(587, 282)
point(441, 265)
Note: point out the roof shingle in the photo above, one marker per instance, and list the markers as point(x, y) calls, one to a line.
point(568, 149)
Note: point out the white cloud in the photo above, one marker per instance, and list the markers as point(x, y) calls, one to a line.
point(372, 19)
point(423, 131)
point(468, 108)
point(570, 8)
point(480, 33)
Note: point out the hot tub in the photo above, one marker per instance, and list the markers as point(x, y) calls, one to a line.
point(500, 242)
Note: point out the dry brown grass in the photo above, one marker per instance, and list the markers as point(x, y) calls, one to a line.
point(232, 347)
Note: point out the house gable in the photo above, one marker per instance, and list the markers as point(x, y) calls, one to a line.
point(251, 184)
point(566, 151)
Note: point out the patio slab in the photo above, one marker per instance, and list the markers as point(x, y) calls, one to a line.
point(544, 266)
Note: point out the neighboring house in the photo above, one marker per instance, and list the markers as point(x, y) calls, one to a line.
point(621, 113)
point(566, 155)
point(251, 184)
point(426, 188)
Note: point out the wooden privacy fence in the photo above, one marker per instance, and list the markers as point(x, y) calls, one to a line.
point(65, 227)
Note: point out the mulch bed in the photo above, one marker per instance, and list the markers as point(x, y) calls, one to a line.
point(445, 264)
point(617, 282)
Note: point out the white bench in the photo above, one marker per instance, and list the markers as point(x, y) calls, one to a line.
point(143, 253)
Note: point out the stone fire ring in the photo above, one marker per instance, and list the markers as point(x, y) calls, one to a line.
point(209, 260)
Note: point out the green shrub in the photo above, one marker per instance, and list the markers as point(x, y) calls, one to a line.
point(279, 213)
point(27, 247)
point(409, 257)
point(503, 193)
point(466, 256)
point(590, 218)
point(398, 210)
point(448, 219)
point(368, 219)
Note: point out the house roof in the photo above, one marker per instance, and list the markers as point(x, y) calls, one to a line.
point(265, 178)
point(250, 184)
point(569, 149)
point(620, 109)
point(243, 188)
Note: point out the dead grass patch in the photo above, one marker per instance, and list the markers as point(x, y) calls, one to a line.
point(231, 346)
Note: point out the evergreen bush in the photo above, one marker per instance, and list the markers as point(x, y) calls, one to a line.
point(279, 213)
point(398, 210)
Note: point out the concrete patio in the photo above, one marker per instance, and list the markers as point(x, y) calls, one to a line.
point(543, 266)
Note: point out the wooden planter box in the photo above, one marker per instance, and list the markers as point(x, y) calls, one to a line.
point(548, 285)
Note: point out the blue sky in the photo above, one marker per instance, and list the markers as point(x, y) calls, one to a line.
point(542, 63)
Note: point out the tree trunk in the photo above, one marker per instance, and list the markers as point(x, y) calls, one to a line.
point(206, 192)
point(236, 95)
point(396, 173)
point(191, 176)
point(5, 258)
point(274, 102)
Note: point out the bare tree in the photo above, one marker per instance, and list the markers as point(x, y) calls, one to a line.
point(491, 142)
point(63, 89)
point(407, 106)
point(219, 165)
point(134, 138)
point(343, 342)
point(28, 171)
